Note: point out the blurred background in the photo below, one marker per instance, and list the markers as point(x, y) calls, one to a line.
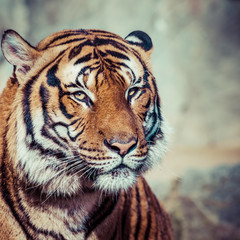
point(196, 62)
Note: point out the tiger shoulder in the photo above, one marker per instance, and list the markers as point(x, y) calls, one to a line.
point(80, 124)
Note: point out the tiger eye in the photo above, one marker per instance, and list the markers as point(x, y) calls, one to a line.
point(133, 91)
point(79, 95)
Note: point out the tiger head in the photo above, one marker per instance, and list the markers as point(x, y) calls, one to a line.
point(86, 113)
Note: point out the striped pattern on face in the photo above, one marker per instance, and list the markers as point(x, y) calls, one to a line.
point(90, 111)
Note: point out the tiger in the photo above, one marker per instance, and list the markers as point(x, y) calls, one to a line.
point(80, 125)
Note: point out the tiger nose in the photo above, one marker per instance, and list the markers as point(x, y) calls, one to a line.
point(122, 148)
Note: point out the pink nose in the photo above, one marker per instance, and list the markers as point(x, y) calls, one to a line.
point(122, 148)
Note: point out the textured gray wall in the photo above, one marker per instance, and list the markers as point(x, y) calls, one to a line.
point(196, 62)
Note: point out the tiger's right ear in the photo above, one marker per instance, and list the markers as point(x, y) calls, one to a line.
point(141, 41)
point(18, 52)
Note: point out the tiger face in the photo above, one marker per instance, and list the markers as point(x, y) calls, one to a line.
point(86, 114)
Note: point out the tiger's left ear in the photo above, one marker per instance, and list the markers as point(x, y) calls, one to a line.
point(141, 41)
point(18, 52)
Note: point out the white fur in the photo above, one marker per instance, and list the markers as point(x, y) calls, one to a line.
point(41, 171)
point(61, 130)
point(157, 151)
point(134, 39)
point(113, 184)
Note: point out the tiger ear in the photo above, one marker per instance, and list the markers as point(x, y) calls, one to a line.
point(142, 40)
point(18, 52)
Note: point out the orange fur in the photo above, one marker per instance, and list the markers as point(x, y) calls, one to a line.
point(79, 118)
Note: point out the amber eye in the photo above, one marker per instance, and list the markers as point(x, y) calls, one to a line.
point(82, 97)
point(132, 92)
point(79, 95)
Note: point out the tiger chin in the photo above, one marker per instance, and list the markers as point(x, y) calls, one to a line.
point(80, 124)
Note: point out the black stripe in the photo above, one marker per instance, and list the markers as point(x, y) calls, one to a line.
point(126, 66)
point(155, 117)
point(104, 34)
point(120, 79)
point(99, 31)
point(149, 219)
point(108, 41)
point(142, 92)
point(126, 213)
point(145, 78)
point(47, 151)
point(110, 64)
point(44, 95)
point(114, 236)
point(72, 85)
point(102, 54)
point(66, 126)
point(52, 80)
point(26, 107)
point(62, 36)
point(99, 215)
point(82, 72)
point(77, 49)
point(69, 41)
point(139, 216)
point(117, 54)
point(66, 35)
point(84, 59)
point(78, 134)
point(46, 134)
point(79, 120)
point(63, 109)
point(148, 103)
point(99, 71)
point(164, 220)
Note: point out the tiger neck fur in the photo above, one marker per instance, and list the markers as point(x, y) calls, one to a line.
point(77, 216)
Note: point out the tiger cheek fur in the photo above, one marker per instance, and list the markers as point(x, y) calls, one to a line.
point(80, 124)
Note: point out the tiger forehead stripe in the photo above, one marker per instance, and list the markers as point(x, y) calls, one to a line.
point(108, 41)
point(64, 36)
point(118, 54)
point(80, 79)
point(98, 38)
point(77, 49)
point(84, 59)
point(99, 42)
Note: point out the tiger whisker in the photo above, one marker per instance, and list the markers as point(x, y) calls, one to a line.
point(58, 173)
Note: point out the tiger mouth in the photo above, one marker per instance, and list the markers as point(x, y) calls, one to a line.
point(122, 170)
point(121, 177)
